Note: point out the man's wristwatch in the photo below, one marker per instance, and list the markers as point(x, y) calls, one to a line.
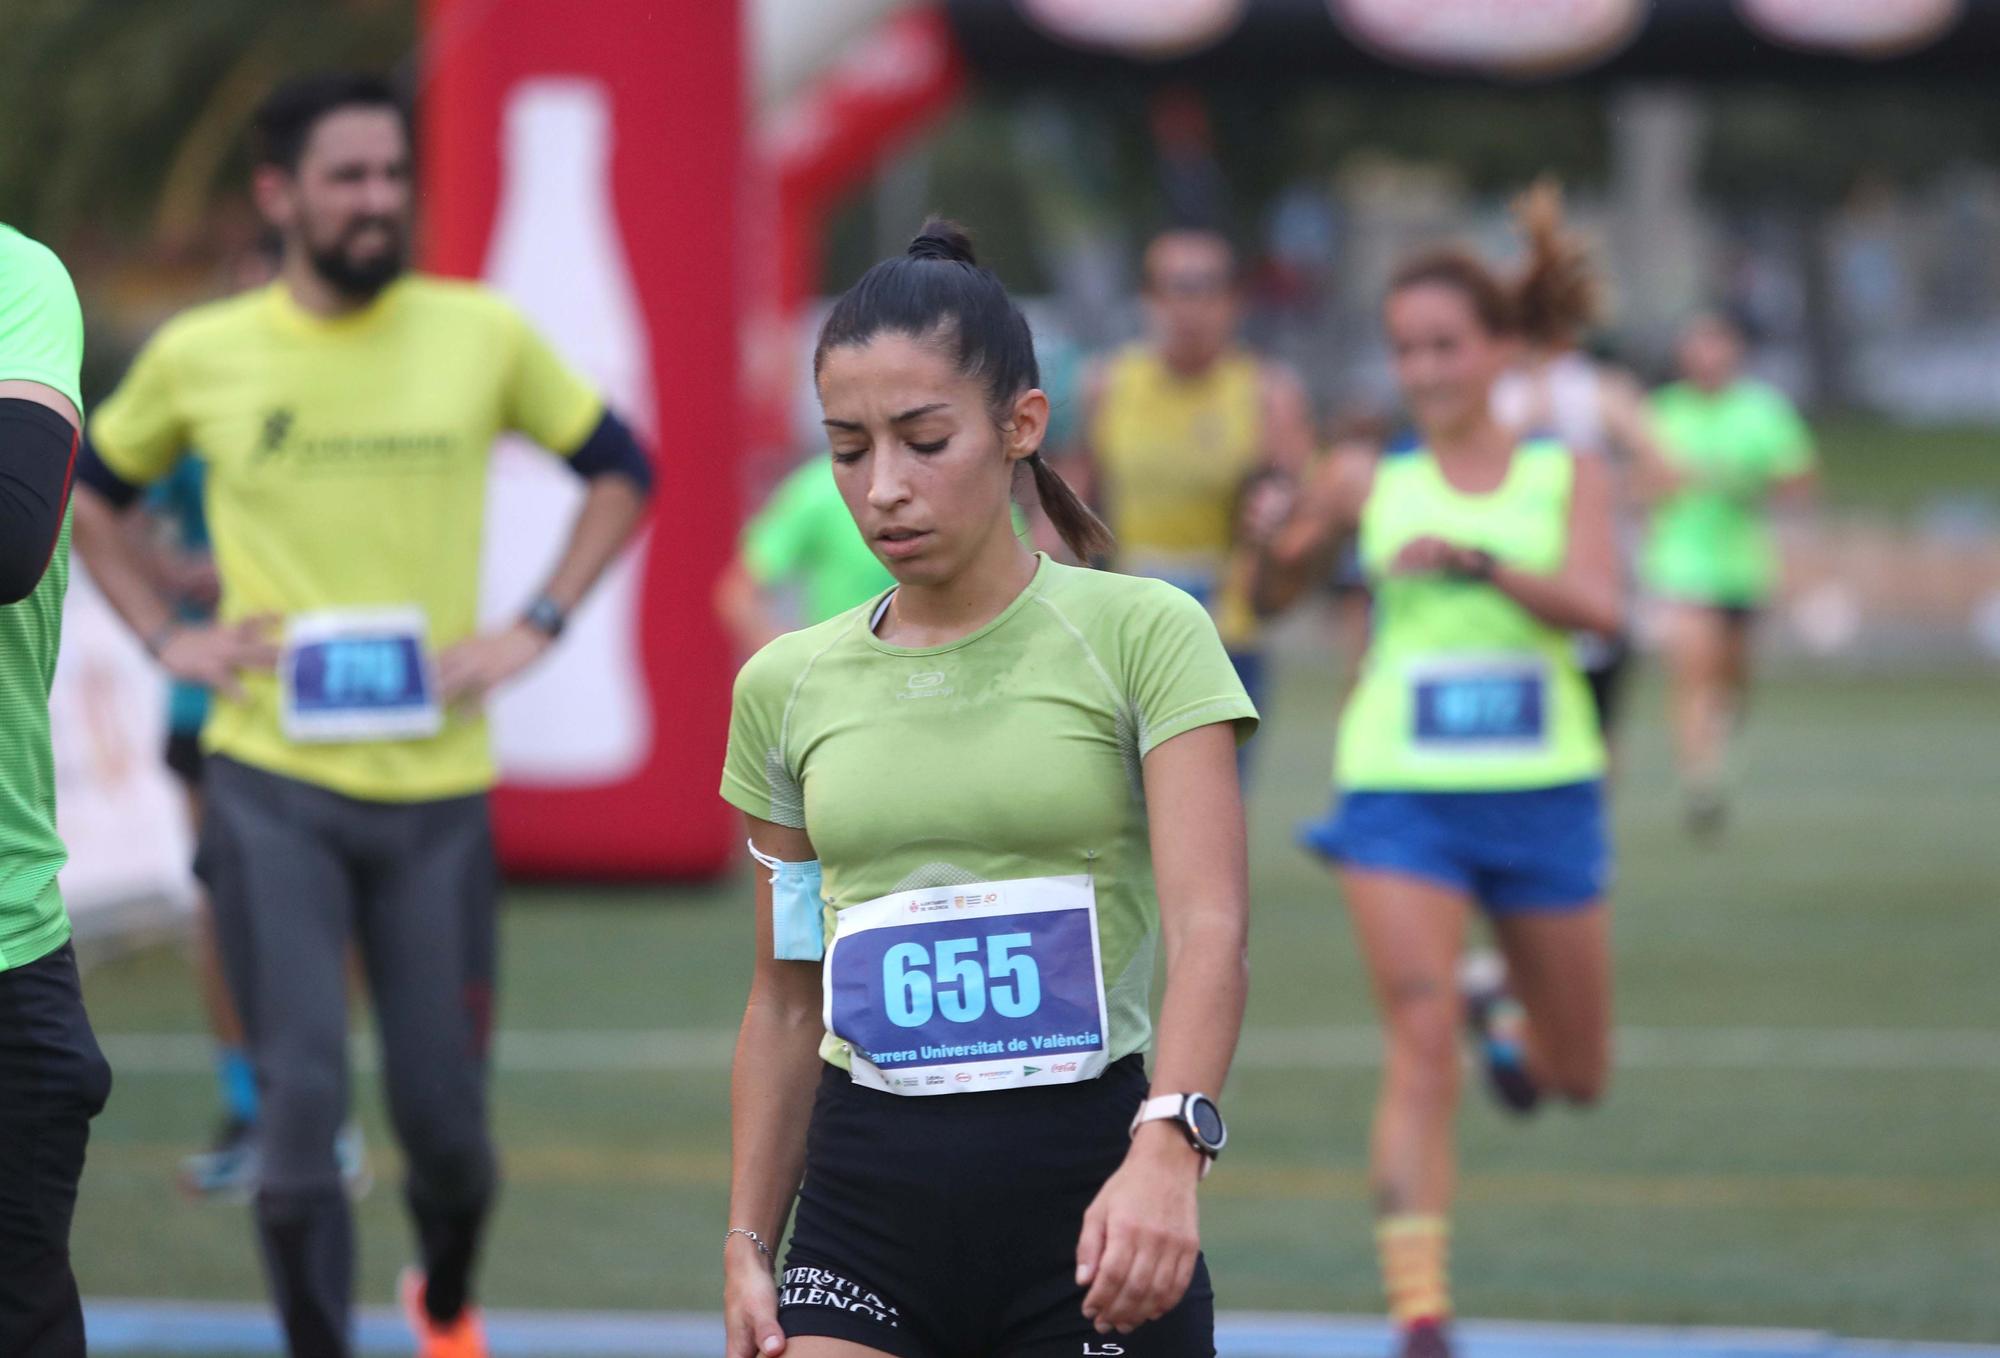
point(1474, 564)
point(546, 616)
point(1199, 1119)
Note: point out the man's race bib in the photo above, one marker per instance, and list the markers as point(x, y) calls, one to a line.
point(359, 674)
point(1480, 704)
point(948, 990)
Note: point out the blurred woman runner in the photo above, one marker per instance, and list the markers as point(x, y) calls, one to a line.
point(1735, 446)
point(1469, 765)
point(1556, 390)
point(986, 799)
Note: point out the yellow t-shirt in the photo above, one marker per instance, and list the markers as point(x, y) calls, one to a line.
point(1172, 453)
point(347, 463)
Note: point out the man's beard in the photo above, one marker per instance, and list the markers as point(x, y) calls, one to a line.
point(359, 280)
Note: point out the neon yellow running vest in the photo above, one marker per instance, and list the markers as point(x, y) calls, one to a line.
point(1463, 690)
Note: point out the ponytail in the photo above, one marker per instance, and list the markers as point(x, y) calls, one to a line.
point(1557, 295)
point(1552, 299)
point(1081, 530)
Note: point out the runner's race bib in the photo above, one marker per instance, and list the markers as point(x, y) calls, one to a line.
point(358, 674)
point(1486, 704)
point(951, 990)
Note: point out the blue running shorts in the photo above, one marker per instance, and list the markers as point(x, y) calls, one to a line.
point(1540, 850)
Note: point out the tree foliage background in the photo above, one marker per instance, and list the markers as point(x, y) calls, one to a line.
point(124, 118)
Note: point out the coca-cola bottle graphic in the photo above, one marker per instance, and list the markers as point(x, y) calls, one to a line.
point(581, 715)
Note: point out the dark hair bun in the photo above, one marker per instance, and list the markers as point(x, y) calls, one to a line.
point(942, 239)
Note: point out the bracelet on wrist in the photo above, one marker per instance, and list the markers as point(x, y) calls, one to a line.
point(753, 1238)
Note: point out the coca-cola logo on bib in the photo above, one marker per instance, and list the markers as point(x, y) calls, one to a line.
point(1875, 28)
point(1509, 37)
point(1142, 28)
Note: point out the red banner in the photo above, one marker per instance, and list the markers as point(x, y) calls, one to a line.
point(883, 89)
point(587, 161)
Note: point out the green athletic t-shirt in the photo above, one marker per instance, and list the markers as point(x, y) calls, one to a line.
point(1711, 542)
point(804, 532)
point(41, 340)
point(1013, 752)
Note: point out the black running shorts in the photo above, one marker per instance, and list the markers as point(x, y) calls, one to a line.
point(184, 757)
point(946, 1227)
point(1607, 664)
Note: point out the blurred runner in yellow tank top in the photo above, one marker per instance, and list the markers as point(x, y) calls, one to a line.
point(1177, 426)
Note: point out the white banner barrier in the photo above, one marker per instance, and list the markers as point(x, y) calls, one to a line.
point(119, 810)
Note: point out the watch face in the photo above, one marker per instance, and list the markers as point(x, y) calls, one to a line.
point(1207, 1120)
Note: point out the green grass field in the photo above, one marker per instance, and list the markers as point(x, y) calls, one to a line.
point(1807, 1131)
point(1869, 463)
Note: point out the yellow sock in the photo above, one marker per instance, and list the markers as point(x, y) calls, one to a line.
point(1412, 1249)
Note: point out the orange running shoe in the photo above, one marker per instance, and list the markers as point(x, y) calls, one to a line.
point(464, 1337)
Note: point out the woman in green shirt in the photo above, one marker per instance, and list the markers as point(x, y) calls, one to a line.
point(1735, 447)
point(987, 798)
point(1469, 765)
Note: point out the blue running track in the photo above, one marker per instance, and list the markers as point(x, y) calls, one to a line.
point(169, 1327)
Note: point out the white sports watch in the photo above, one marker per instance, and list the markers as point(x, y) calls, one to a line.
point(1198, 1118)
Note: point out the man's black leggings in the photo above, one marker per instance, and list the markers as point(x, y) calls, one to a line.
point(296, 871)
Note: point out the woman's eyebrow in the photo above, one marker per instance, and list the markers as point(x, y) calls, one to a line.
point(915, 412)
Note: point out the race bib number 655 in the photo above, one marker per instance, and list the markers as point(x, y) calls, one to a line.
point(948, 990)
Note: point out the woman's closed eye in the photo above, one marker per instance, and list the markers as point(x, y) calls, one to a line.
point(936, 447)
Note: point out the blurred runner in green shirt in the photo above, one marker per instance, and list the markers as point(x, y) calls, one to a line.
point(53, 1078)
point(1735, 446)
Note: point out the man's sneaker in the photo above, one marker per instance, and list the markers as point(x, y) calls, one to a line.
point(351, 1150)
point(228, 1168)
point(1425, 1339)
point(464, 1337)
point(1498, 1025)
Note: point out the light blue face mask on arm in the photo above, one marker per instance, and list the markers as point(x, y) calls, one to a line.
point(798, 933)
